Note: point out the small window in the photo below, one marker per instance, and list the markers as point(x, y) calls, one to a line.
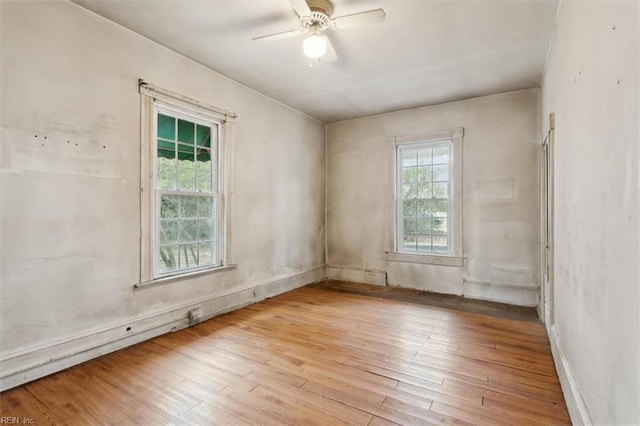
point(187, 197)
point(428, 204)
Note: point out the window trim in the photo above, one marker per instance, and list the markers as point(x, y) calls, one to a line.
point(151, 98)
point(455, 200)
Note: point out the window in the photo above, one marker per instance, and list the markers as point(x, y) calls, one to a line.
point(424, 208)
point(428, 185)
point(184, 204)
point(186, 184)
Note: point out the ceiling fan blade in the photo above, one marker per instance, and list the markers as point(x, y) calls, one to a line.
point(369, 17)
point(279, 36)
point(330, 55)
point(301, 7)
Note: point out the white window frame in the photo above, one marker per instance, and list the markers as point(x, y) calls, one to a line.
point(454, 256)
point(156, 100)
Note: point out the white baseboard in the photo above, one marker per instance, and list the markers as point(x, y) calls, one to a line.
point(573, 397)
point(26, 364)
point(357, 274)
point(515, 294)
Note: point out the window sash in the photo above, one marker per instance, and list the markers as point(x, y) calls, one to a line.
point(215, 240)
point(400, 199)
point(215, 192)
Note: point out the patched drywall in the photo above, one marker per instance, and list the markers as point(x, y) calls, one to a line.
point(71, 182)
point(591, 83)
point(500, 196)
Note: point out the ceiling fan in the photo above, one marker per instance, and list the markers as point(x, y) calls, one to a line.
point(314, 17)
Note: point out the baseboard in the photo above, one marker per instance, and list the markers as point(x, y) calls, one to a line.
point(573, 397)
point(515, 294)
point(26, 364)
point(357, 274)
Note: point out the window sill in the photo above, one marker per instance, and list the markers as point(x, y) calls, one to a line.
point(186, 275)
point(427, 259)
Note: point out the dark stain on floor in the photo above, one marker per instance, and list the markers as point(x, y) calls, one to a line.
point(446, 301)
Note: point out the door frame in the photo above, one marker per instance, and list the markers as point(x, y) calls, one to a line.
point(547, 249)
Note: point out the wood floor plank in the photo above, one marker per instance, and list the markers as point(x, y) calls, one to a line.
point(77, 403)
point(215, 416)
point(21, 403)
point(315, 356)
point(115, 400)
point(229, 405)
point(377, 421)
point(344, 413)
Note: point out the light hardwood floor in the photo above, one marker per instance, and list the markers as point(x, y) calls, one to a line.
point(314, 356)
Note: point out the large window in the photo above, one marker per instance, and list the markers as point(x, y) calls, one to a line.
point(185, 176)
point(186, 185)
point(428, 195)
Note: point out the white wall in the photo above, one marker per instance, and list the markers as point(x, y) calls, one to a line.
point(591, 83)
point(501, 142)
point(71, 180)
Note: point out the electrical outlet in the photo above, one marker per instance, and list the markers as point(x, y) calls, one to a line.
point(194, 316)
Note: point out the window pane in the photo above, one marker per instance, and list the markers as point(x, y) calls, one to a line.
point(166, 127)
point(423, 208)
point(168, 258)
point(409, 174)
point(166, 178)
point(424, 190)
point(409, 225)
point(166, 152)
point(186, 131)
point(169, 206)
point(440, 225)
point(203, 163)
point(424, 243)
point(409, 208)
point(205, 230)
point(424, 156)
point(203, 181)
point(186, 179)
point(203, 135)
point(203, 156)
point(409, 157)
point(186, 155)
point(440, 173)
point(409, 243)
point(189, 206)
point(440, 244)
point(440, 208)
point(424, 225)
point(424, 174)
point(206, 253)
point(188, 230)
point(188, 255)
point(440, 190)
point(205, 206)
point(409, 190)
point(441, 155)
point(168, 231)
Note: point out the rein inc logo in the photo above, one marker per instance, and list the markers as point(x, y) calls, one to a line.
point(6, 420)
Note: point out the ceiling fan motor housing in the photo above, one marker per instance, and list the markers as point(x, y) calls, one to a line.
point(320, 14)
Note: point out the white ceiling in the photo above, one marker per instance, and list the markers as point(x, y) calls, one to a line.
point(426, 52)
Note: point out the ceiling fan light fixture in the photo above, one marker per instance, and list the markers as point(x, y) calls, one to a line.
point(314, 46)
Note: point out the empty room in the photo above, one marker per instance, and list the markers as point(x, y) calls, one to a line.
point(366, 212)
